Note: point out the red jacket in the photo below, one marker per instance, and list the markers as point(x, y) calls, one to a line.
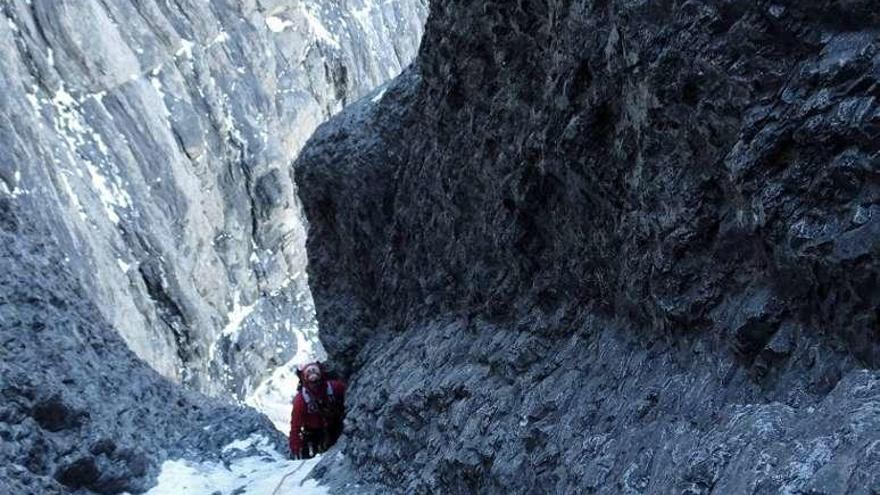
point(302, 417)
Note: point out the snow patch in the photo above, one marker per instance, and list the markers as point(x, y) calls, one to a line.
point(223, 37)
point(237, 316)
point(16, 188)
point(364, 15)
point(157, 85)
point(71, 125)
point(186, 48)
point(266, 472)
point(318, 28)
point(74, 199)
point(110, 195)
point(33, 100)
point(277, 24)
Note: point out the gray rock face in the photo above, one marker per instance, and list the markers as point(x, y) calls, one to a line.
point(79, 412)
point(609, 247)
point(152, 139)
point(144, 194)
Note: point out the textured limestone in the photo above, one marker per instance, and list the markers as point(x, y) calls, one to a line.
point(612, 247)
point(153, 138)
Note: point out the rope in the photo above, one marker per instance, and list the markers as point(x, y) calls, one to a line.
point(288, 475)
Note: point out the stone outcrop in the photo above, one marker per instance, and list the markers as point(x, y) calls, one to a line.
point(610, 247)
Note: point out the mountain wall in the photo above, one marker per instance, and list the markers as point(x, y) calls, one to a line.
point(152, 139)
point(605, 246)
point(150, 236)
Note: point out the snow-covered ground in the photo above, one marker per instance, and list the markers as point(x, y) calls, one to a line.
point(260, 471)
point(256, 467)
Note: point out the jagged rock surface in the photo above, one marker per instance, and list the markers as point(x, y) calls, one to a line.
point(79, 412)
point(153, 139)
point(610, 247)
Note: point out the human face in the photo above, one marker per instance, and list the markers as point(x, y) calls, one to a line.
point(312, 373)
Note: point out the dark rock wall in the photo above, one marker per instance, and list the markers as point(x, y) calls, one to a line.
point(610, 246)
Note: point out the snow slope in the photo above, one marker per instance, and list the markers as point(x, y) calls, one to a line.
point(260, 470)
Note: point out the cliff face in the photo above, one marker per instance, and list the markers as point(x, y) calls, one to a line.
point(152, 140)
point(622, 247)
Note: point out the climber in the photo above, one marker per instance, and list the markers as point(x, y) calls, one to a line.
point(318, 412)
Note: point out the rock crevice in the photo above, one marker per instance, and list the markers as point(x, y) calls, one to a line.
point(153, 142)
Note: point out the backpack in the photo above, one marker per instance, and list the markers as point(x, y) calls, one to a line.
point(328, 409)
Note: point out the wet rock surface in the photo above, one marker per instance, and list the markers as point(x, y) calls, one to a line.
point(610, 247)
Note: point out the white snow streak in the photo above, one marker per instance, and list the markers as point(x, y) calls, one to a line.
point(318, 28)
point(244, 444)
point(72, 126)
point(16, 188)
point(123, 265)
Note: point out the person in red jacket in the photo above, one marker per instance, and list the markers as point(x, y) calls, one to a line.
point(318, 412)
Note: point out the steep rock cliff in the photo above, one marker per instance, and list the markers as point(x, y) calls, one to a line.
point(152, 139)
point(609, 246)
point(148, 220)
